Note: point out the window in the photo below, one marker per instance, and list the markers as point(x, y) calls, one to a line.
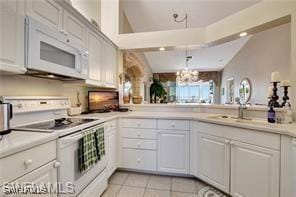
point(200, 92)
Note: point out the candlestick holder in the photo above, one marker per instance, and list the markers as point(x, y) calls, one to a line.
point(285, 97)
point(275, 97)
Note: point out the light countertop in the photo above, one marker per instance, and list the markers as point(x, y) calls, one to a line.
point(18, 141)
point(259, 124)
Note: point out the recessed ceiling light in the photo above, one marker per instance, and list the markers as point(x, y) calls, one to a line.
point(161, 48)
point(243, 34)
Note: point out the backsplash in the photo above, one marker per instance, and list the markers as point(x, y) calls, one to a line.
point(21, 85)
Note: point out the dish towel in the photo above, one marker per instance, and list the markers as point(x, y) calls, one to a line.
point(100, 142)
point(91, 148)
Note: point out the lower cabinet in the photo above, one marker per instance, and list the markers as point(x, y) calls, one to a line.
point(241, 169)
point(214, 161)
point(112, 146)
point(173, 151)
point(254, 171)
point(139, 159)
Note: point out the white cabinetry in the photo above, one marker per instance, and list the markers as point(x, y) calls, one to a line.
point(47, 11)
point(45, 174)
point(109, 64)
point(139, 150)
point(250, 158)
point(74, 27)
point(12, 36)
point(173, 146)
point(102, 61)
point(288, 163)
point(214, 161)
point(112, 147)
point(173, 151)
point(32, 166)
point(94, 45)
point(254, 171)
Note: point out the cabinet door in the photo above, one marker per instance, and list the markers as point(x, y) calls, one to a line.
point(12, 17)
point(109, 62)
point(74, 28)
point(112, 158)
point(94, 48)
point(214, 161)
point(254, 171)
point(46, 174)
point(46, 11)
point(173, 151)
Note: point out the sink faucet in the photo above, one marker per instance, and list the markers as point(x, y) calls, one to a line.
point(241, 108)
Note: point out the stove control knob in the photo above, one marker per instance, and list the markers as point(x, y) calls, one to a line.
point(19, 105)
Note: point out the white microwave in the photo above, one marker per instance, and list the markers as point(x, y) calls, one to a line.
point(51, 52)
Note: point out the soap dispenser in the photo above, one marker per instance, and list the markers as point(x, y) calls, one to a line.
point(288, 114)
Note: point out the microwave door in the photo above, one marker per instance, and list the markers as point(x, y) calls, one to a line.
point(50, 51)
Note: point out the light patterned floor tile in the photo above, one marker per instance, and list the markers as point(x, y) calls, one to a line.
point(112, 191)
point(181, 194)
point(157, 193)
point(118, 178)
point(127, 191)
point(184, 185)
point(159, 182)
point(137, 180)
point(199, 185)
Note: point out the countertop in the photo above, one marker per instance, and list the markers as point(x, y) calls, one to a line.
point(18, 141)
point(258, 124)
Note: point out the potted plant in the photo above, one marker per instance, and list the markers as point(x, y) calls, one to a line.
point(156, 90)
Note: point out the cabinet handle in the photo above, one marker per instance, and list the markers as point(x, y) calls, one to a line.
point(139, 134)
point(56, 164)
point(138, 160)
point(139, 124)
point(139, 144)
point(173, 125)
point(28, 162)
point(294, 141)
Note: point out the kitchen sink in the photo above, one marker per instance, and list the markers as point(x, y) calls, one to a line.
point(235, 119)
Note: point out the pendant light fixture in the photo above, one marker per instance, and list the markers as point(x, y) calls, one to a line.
point(186, 75)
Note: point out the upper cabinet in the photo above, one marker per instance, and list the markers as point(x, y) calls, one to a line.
point(75, 28)
point(12, 39)
point(94, 45)
point(47, 11)
point(102, 61)
point(59, 15)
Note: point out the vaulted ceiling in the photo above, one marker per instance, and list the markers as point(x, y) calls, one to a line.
point(156, 15)
point(206, 59)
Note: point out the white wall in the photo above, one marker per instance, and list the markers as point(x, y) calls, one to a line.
point(19, 85)
point(91, 9)
point(264, 53)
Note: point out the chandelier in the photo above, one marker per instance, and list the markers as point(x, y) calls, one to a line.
point(186, 75)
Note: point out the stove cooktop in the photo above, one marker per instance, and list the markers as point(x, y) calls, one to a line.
point(56, 125)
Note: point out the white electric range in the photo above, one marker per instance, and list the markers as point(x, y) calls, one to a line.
point(49, 114)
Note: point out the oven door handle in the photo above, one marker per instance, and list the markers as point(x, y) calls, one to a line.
point(70, 139)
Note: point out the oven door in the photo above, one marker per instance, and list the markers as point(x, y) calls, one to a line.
point(68, 158)
point(52, 51)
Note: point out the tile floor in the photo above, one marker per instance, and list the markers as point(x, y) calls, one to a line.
point(129, 184)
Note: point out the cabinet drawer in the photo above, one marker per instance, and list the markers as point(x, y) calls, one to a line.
point(264, 139)
point(16, 165)
point(139, 133)
point(139, 123)
point(139, 143)
point(174, 124)
point(139, 159)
